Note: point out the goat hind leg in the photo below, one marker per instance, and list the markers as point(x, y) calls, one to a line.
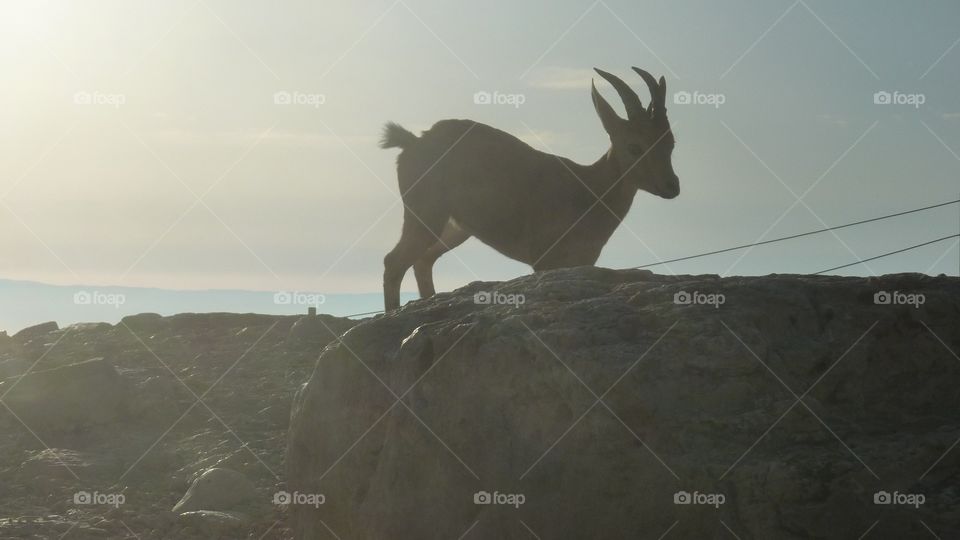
point(414, 241)
point(451, 237)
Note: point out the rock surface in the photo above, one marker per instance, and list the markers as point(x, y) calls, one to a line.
point(603, 402)
point(104, 448)
point(69, 399)
point(217, 489)
point(215, 524)
point(37, 330)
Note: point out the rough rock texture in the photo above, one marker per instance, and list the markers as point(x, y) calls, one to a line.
point(71, 398)
point(217, 489)
point(600, 400)
point(38, 330)
point(314, 329)
point(130, 424)
point(215, 524)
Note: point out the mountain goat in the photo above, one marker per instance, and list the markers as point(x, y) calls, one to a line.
point(462, 178)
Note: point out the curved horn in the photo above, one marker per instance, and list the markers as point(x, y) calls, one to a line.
point(608, 117)
point(631, 101)
point(658, 92)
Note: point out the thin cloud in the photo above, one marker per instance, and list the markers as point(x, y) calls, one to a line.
point(559, 78)
point(544, 139)
point(246, 137)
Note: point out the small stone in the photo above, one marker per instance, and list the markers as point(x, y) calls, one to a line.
point(217, 489)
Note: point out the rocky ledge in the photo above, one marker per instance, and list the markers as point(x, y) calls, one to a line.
point(591, 403)
point(156, 427)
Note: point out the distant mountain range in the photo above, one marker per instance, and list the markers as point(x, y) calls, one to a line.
point(25, 303)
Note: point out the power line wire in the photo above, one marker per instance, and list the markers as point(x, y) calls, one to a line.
point(367, 313)
point(792, 236)
point(888, 254)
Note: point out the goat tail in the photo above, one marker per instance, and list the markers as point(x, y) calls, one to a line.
point(395, 136)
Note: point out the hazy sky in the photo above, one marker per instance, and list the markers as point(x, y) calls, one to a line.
point(116, 116)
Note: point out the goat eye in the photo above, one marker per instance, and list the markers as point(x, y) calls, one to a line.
point(635, 149)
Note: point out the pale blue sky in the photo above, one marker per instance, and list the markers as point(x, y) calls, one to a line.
point(99, 194)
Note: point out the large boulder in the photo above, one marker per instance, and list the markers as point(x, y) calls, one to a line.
point(590, 403)
point(36, 331)
point(69, 399)
point(143, 322)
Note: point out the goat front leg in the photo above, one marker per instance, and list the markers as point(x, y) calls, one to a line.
point(392, 277)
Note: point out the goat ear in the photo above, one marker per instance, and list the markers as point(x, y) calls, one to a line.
point(608, 117)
